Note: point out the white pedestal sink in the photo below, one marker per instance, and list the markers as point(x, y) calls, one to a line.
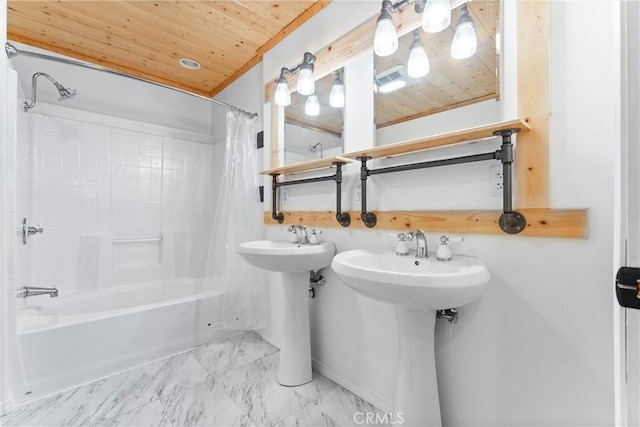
point(417, 287)
point(294, 262)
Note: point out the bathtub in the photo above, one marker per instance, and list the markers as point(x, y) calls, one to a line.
point(76, 338)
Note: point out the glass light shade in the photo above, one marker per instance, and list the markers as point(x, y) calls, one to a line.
point(385, 41)
point(306, 85)
point(312, 106)
point(436, 16)
point(336, 98)
point(282, 95)
point(418, 64)
point(465, 42)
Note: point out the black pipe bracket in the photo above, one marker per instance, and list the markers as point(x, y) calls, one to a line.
point(511, 222)
point(342, 217)
point(369, 219)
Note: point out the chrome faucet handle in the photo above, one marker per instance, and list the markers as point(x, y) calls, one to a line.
point(444, 252)
point(446, 239)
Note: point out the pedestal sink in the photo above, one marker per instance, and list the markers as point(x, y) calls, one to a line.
point(294, 262)
point(417, 287)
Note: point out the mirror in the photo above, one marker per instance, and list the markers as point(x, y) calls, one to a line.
point(313, 137)
point(450, 83)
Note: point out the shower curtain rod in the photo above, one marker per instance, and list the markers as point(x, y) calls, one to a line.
point(13, 51)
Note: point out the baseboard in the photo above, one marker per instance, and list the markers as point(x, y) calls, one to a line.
point(354, 387)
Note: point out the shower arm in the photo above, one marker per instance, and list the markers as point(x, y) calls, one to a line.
point(34, 86)
point(13, 51)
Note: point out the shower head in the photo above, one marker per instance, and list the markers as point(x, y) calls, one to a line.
point(65, 93)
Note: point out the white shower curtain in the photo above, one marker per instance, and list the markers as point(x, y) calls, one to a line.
point(238, 218)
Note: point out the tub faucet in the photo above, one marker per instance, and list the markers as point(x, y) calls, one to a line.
point(32, 291)
point(304, 236)
point(421, 243)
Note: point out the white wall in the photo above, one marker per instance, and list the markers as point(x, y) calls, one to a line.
point(92, 179)
point(113, 95)
point(536, 349)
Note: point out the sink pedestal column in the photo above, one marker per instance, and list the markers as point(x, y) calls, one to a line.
point(295, 354)
point(416, 383)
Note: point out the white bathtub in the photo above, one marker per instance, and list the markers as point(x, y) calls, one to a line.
point(77, 338)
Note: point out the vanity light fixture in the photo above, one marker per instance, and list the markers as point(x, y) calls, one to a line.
point(305, 85)
point(436, 16)
point(336, 98)
point(312, 106)
point(418, 64)
point(465, 41)
point(385, 41)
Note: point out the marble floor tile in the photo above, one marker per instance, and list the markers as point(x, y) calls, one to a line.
point(67, 408)
point(347, 409)
point(229, 383)
point(150, 415)
point(318, 387)
point(5, 417)
point(119, 393)
point(222, 356)
point(309, 416)
point(205, 404)
point(94, 401)
point(256, 391)
point(176, 373)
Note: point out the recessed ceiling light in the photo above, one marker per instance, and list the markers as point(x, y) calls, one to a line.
point(189, 64)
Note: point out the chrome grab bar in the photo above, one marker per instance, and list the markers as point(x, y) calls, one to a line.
point(122, 240)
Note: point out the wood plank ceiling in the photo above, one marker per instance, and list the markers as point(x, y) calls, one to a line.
point(147, 38)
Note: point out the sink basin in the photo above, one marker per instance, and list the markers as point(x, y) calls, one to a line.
point(417, 287)
point(294, 263)
point(282, 256)
point(412, 282)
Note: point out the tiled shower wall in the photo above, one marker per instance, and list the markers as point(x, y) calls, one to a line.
point(118, 206)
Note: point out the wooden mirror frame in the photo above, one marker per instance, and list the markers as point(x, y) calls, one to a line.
point(532, 155)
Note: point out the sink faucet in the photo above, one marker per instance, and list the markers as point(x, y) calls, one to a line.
point(421, 243)
point(304, 236)
point(32, 291)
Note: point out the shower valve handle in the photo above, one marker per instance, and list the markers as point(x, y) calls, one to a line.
point(28, 230)
point(35, 230)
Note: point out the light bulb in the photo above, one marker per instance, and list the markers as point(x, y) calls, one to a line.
point(418, 64)
point(312, 106)
point(465, 42)
point(306, 85)
point(385, 41)
point(336, 98)
point(436, 16)
point(282, 96)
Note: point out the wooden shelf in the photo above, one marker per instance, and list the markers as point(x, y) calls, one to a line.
point(306, 166)
point(441, 140)
point(564, 223)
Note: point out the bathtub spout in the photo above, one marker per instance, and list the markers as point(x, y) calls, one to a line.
point(32, 291)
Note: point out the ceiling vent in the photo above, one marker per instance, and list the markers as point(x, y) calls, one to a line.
point(393, 79)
